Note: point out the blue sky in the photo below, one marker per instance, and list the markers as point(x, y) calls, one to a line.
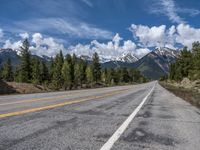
point(73, 23)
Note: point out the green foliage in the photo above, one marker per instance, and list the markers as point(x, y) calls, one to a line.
point(25, 66)
point(44, 72)
point(7, 72)
point(67, 72)
point(36, 72)
point(80, 72)
point(89, 75)
point(96, 67)
point(57, 79)
point(187, 65)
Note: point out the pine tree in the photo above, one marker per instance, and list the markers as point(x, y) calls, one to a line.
point(7, 73)
point(83, 67)
point(104, 76)
point(57, 79)
point(17, 74)
point(112, 76)
point(73, 62)
point(36, 73)
point(66, 74)
point(77, 74)
point(185, 62)
point(172, 71)
point(25, 66)
point(80, 72)
point(196, 61)
point(125, 75)
point(44, 72)
point(131, 73)
point(89, 74)
point(96, 68)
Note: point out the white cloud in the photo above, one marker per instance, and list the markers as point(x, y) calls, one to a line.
point(160, 36)
point(24, 35)
point(110, 50)
point(171, 10)
point(187, 35)
point(140, 52)
point(129, 46)
point(1, 33)
point(72, 28)
point(13, 45)
point(45, 46)
point(146, 38)
point(153, 36)
point(39, 45)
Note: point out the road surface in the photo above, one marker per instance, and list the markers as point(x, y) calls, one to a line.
point(135, 117)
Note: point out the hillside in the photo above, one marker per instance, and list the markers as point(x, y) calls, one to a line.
point(154, 65)
point(20, 88)
point(11, 54)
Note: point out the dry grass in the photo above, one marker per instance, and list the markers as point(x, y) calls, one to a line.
point(190, 95)
point(21, 88)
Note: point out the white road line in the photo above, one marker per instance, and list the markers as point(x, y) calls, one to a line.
point(108, 145)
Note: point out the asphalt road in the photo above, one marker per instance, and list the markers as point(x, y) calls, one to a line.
point(89, 119)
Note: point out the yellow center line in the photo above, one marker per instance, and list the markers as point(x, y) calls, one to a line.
point(34, 100)
point(38, 99)
point(60, 104)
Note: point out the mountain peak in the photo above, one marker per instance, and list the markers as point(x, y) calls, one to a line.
point(8, 50)
point(166, 52)
point(128, 57)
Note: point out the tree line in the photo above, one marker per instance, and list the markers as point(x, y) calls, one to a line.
point(187, 65)
point(66, 72)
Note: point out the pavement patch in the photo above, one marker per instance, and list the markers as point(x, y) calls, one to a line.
point(146, 114)
point(90, 112)
point(166, 117)
point(139, 135)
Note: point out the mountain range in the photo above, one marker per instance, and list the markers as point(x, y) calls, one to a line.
point(153, 65)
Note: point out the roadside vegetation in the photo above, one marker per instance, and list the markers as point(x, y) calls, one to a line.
point(66, 72)
point(184, 75)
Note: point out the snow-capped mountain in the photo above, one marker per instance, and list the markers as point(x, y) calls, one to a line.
point(156, 63)
point(129, 58)
point(14, 56)
point(85, 57)
point(153, 65)
point(9, 53)
point(167, 53)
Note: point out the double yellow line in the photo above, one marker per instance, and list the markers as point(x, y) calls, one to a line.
point(60, 104)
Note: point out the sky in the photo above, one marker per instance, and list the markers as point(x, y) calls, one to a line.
point(110, 27)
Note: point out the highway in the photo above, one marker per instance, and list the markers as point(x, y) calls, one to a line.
point(134, 117)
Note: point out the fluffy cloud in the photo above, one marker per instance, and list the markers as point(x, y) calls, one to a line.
point(24, 35)
point(187, 35)
point(129, 46)
point(110, 50)
point(153, 36)
point(140, 52)
point(160, 36)
point(146, 38)
point(45, 46)
point(13, 45)
point(1, 33)
point(39, 45)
